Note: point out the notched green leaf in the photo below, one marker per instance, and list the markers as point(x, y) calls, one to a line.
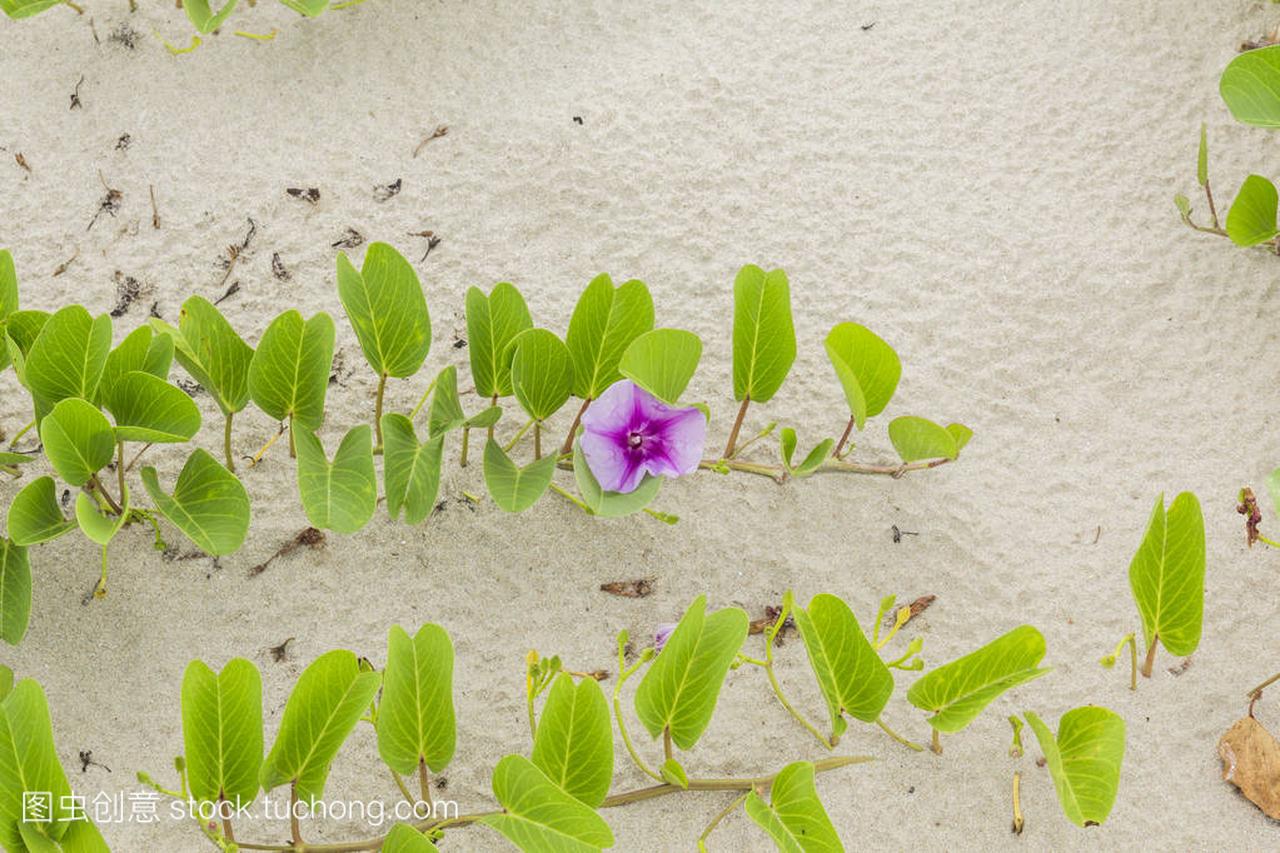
point(764, 338)
point(662, 362)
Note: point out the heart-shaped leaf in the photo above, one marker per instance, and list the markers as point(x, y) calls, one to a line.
point(1250, 85)
point(416, 723)
point(674, 774)
point(679, 691)
point(29, 765)
point(794, 816)
point(289, 372)
point(15, 591)
point(1085, 760)
point(77, 439)
point(853, 678)
point(1167, 575)
point(403, 838)
point(867, 367)
point(149, 409)
point(96, 525)
point(541, 371)
point(387, 309)
point(203, 18)
point(1252, 217)
point(820, 453)
point(34, 515)
point(222, 731)
point(341, 495)
point(484, 418)
point(574, 740)
point(918, 438)
point(764, 338)
point(213, 353)
point(604, 323)
point(446, 409)
point(513, 488)
point(662, 362)
point(68, 357)
point(538, 815)
point(411, 471)
point(209, 504)
point(18, 9)
point(330, 697)
point(493, 322)
point(611, 504)
point(142, 350)
point(956, 692)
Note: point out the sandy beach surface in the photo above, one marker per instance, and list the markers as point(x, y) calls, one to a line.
point(988, 186)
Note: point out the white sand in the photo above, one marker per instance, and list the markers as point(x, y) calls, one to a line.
point(986, 185)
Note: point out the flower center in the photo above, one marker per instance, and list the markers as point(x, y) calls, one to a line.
point(635, 440)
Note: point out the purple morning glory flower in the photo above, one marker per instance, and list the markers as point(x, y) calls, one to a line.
point(628, 433)
point(661, 634)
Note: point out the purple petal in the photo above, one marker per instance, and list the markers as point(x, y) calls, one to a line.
point(613, 412)
point(684, 435)
point(614, 468)
point(661, 634)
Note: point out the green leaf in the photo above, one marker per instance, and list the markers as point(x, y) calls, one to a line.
point(6, 681)
point(1167, 575)
point(83, 837)
point(679, 691)
point(611, 504)
point(310, 8)
point(541, 371)
point(484, 418)
point(820, 453)
point(493, 322)
point(410, 471)
point(29, 763)
point(403, 838)
point(764, 339)
point(18, 9)
point(289, 372)
point(1250, 85)
point(853, 678)
point(662, 362)
point(1273, 489)
point(213, 353)
point(1202, 160)
point(325, 705)
point(77, 439)
point(387, 309)
point(446, 410)
point(794, 817)
point(416, 723)
point(68, 357)
point(149, 409)
point(21, 330)
point(1252, 217)
point(957, 692)
point(341, 495)
point(538, 816)
point(34, 515)
point(1085, 760)
point(203, 18)
point(867, 367)
point(209, 504)
point(512, 488)
point(222, 731)
point(15, 591)
point(96, 525)
point(674, 774)
point(604, 323)
point(961, 434)
point(920, 438)
point(574, 740)
point(142, 350)
point(1183, 204)
point(8, 298)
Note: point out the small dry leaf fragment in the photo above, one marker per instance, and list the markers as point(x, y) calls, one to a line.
point(350, 239)
point(441, 130)
point(638, 588)
point(22, 161)
point(916, 607)
point(311, 195)
point(278, 268)
point(1251, 761)
point(1248, 507)
point(280, 652)
point(770, 618)
point(383, 192)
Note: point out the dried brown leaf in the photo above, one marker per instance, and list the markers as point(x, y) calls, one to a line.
point(1251, 761)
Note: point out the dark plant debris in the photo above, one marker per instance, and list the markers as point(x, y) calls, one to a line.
point(432, 241)
point(128, 291)
point(125, 36)
point(62, 267)
point(916, 607)
point(190, 386)
point(350, 239)
point(1265, 40)
point(866, 28)
point(230, 292)
point(1248, 507)
point(86, 761)
point(75, 95)
point(385, 192)
point(22, 161)
point(899, 533)
point(278, 268)
point(638, 588)
point(577, 120)
point(124, 142)
point(308, 537)
point(311, 195)
point(769, 619)
point(155, 208)
point(110, 203)
point(441, 130)
point(280, 653)
point(233, 253)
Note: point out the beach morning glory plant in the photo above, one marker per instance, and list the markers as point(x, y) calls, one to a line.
point(629, 433)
